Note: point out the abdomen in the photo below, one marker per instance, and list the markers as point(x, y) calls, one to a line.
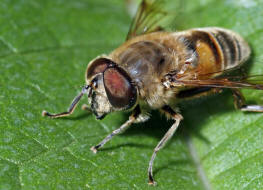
point(217, 49)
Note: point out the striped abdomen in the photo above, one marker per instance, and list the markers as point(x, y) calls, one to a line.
point(218, 49)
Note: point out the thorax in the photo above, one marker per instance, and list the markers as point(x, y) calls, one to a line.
point(147, 59)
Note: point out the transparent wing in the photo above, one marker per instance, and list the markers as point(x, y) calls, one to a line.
point(249, 82)
point(154, 15)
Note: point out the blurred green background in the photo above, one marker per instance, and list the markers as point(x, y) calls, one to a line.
point(45, 47)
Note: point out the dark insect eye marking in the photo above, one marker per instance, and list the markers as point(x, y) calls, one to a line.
point(120, 91)
point(98, 66)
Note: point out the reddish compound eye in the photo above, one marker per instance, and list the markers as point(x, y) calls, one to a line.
point(120, 92)
point(98, 66)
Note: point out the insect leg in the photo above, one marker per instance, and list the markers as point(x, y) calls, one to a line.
point(72, 106)
point(132, 119)
point(177, 118)
point(240, 102)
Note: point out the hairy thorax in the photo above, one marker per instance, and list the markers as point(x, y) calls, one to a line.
point(148, 59)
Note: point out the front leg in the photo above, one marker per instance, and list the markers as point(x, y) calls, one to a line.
point(72, 107)
point(134, 118)
point(177, 118)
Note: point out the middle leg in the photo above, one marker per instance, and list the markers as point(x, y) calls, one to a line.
point(177, 118)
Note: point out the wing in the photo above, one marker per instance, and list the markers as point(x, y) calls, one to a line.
point(248, 82)
point(154, 15)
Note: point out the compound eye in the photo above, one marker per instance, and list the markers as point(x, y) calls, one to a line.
point(97, 66)
point(120, 91)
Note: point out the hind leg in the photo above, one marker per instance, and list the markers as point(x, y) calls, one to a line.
point(240, 103)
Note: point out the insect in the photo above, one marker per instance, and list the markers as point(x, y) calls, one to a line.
point(156, 69)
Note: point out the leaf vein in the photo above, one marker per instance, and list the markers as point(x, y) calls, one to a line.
point(235, 165)
point(197, 163)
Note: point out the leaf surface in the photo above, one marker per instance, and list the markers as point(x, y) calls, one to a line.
point(45, 47)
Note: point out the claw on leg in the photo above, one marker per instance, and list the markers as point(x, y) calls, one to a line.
point(150, 172)
point(152, 182)
point(93, 149)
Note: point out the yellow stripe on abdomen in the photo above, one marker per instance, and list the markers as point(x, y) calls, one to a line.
point(233, 48)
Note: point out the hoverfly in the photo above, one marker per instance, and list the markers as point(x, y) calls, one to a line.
point(156, 69)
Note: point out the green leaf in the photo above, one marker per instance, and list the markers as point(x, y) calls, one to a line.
point(45, 47)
